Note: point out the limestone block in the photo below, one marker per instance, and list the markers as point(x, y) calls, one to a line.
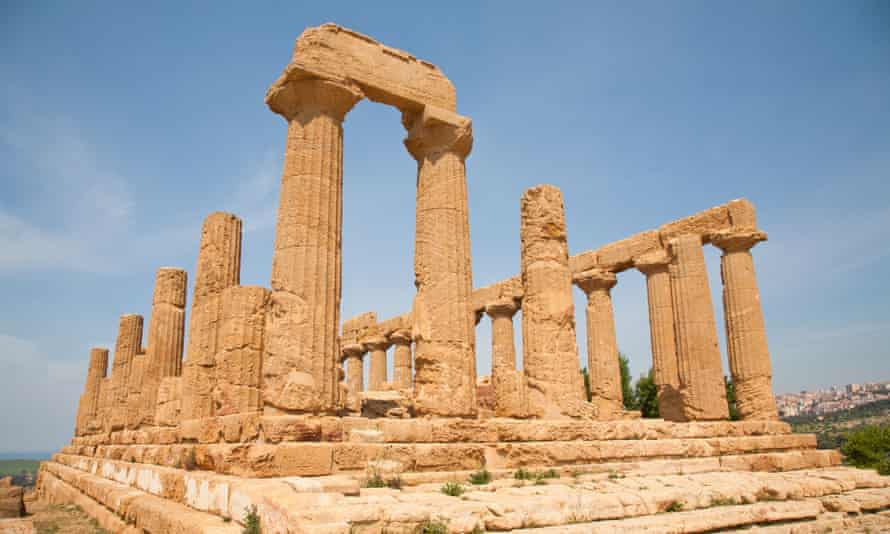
point(88, 408)
point(742, 214)
point(443, 321)
point(303, 459)
point(219, 267)
point(550, 355)
point(702, 224)
point(397, 404)
point(620, 255)
point(12, 502)
point(356, 328)
point(699, 365)
point(510, 288)
point(134, 390)
point(238, 362)
point(290, 428)
point(384, 74)
point(376, 347)
point(401, 359)
point(169, 401)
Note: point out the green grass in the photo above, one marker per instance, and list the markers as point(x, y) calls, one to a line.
point(480, 477)
point(453, 489)
point(523, 474)
point(433, 527)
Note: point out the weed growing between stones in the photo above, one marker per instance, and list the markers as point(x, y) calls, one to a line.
point(480, 477)
point(523, 474)
point(675, 506)
point(251, 521)
point(433, 527)
point(453, 489)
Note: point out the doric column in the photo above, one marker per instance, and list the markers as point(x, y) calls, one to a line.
point(511, 396)
point(661, 333)
point(301, 354)
point(549, 349)
point(127, 345)
point(749, 359)
point(377, 372)
point(134, 389)
point(698, 355)
point(219, 267)
point(166, 330)
point(401, 358)
point(355, 376)
point(88, 407)
point(602, 348)
point(443, 319)
point(240, 350)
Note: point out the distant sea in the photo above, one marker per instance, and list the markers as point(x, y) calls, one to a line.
point(26, 455)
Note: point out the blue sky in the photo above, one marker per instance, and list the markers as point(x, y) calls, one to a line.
point(123, 125)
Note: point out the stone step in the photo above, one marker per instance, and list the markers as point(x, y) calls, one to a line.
point(585, 502)
point(325, 458)
point(123, 509)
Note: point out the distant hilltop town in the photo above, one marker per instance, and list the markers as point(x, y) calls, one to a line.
point(835, 398)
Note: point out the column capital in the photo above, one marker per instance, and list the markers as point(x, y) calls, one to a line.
point(352, 350)
point(435, 131)
point(312, 95)
point(595, 280)
point(503, 307)
point(376, 343)
point(652, 262)
point(737, 240)
point(401, 336)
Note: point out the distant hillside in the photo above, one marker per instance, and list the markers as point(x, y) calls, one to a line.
point(23, 472)
point(831, 429)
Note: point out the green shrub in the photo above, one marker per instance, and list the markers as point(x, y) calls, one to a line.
point(550, 473)
point(480, 477)
point(869, 448)
point(433, 527)
point(251, 521)
point(523, 474)
point(675, 506)
point(375, 481)
point(453, 489)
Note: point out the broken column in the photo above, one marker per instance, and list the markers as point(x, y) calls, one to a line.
point(301, 354)
point(238, 362)
point(700, 370)
point(550, 353)
point(355, 376)
point(749, 360)
point(134, 389)
point(401, 358)
point(219, 267)
point(88, 407)
point(654, 266)
point(166, 331)
point(376, 347)
point(443, 319)
point(510, 394)
point(602, 349)
point(126, 347)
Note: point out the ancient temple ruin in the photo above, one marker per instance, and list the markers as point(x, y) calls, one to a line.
point(267, 405)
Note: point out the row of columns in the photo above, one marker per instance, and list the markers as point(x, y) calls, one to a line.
point(376, 347)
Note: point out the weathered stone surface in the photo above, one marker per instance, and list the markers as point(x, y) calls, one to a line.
point(357, 328)
point(301, 353)
point(238, 363)
point(620, 255)
point(12, 502)
point(384, 74)
point(550, 356)
point(401, 359)
point(749, 359)
point(355, 376)
point(377, 347)
point(169, 407)
point(393, 403)
point(510, 389)
point(166, 332)
point(88, 407)
point(699, 367)
point(219, 267)
point(443, 321)
point(602, 348)
point(127, 345)
point(134, 389)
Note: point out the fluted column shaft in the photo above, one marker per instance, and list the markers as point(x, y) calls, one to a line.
point(401, 359)
point(240, 350)
point(301, 355)
point(355, 376)
point(661, 334)
point(444, 322)
point(749, 359)
point(377, 372)
point(549, 346)
point(510, 392)
point(602, 348)
point(88, 407)
point(126, 347)
point(219, 267)
point(698, 355)
point(166, 332)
